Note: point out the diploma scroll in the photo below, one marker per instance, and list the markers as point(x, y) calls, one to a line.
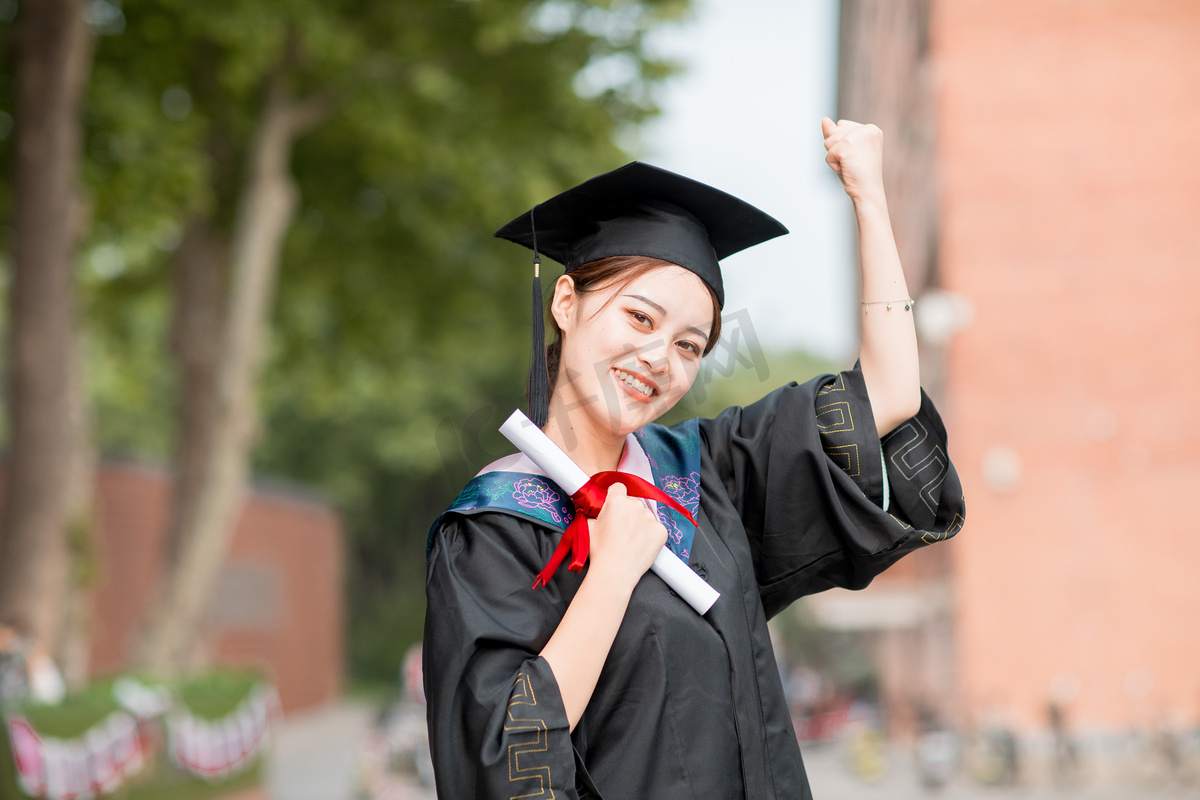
point(559, 467)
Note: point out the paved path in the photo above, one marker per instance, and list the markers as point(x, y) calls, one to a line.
point(317, 757)
point(832, 780)
point(315, 753)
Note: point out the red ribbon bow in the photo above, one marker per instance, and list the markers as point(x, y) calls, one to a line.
point(588, 502)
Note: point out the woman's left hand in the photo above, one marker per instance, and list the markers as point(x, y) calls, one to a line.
point(856, 155)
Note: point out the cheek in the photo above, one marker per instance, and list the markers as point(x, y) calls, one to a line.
point(588, 349)
point(684, 371)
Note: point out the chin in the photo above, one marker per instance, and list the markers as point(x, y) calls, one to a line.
point(636, 419)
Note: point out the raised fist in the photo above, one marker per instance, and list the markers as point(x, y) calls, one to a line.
point(856, 155)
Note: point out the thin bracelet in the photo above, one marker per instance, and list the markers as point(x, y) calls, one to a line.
point(908, 304)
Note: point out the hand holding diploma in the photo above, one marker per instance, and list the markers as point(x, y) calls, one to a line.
point(588, 495)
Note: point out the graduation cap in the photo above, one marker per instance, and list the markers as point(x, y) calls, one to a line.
point(636, 210)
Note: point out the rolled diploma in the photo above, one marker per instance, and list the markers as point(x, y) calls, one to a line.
point(559, 467)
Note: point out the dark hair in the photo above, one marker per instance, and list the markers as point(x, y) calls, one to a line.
point(601, 274)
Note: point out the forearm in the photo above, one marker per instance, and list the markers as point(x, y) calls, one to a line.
point(577, 650)
point(888, 351)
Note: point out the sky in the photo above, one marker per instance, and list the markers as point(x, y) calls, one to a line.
point(745, 116)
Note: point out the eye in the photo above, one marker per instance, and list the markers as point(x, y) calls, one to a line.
point(641, 318)
point(691, 347)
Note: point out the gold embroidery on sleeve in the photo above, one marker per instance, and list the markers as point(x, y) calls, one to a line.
point(835, 418)
point(838, 384)
point(537, 741)
point(846, 457)
point(929, 537)
point(911, 459)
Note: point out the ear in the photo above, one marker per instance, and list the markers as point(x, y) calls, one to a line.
point(565, 301)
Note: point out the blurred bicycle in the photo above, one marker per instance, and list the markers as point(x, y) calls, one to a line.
point(866, 751)
point(992, 757)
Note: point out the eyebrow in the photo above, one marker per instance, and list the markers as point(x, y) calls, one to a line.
point(663, 311)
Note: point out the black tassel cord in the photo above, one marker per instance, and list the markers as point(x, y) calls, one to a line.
point(539, 388)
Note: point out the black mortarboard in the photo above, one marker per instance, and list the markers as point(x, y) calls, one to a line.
point(637, 210)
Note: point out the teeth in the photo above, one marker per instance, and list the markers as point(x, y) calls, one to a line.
point(635, 383)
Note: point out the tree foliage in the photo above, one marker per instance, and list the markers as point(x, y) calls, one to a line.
point(448, 117)
point(397, 315)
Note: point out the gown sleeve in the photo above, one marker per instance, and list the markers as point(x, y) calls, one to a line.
point(802, 469)
point(497, 725)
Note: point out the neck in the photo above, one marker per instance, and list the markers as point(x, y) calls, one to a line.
point(591, 449)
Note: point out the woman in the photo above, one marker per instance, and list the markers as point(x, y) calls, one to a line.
point(603, 683)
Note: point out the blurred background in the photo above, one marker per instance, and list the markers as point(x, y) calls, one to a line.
point(257, 335)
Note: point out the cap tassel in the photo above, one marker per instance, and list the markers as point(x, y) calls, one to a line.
point(539, 388)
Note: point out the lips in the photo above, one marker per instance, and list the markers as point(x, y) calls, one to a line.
point(638, 386)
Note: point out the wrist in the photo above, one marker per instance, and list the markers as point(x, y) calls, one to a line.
point(869, 199)
point(613, 585)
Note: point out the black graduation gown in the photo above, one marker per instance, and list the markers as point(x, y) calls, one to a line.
point(686, 706)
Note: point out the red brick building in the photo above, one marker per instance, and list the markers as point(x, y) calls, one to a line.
point(1044, 160)
point(1068, 150)
point(278, 605)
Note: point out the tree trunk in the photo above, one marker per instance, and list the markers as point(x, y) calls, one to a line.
point(218, 413)
point(52, 50)
point(200, 305)
point(73, 650)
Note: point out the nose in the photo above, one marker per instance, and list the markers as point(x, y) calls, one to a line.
point(651, 355)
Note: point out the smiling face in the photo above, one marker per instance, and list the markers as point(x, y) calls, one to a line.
point(630, 350)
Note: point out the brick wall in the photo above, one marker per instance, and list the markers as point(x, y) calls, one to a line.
point(279, 604)
point(1069, 159)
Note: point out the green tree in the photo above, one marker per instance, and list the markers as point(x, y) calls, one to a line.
point(343, 162)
